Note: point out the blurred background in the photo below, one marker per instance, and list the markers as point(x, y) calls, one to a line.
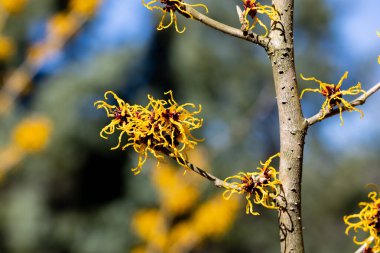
point(63, 190)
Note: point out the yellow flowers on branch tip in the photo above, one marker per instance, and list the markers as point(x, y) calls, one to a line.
point(368, 221)
point(162, 125)
point(334, 95)
point(261, 187)
point(252, 8)
point(170, 7)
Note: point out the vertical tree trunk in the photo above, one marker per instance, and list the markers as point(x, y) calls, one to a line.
point(293, 126)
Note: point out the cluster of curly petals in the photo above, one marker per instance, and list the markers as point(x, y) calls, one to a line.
point(334, 95)
point(162, 126)
point(368, 221)
point(261, 187)
point(169, 7)
point(252, 8)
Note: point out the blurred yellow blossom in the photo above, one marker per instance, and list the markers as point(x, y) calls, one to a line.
point(7, 48)
point(334, 95)
point(252, 8)
point(32, 134)
point(182, 237)
point(62, 25)
point(162, 126)
point(214, 217)
point(13, 6)
point(211, 219)
point(171, 6)
point(368, 221)
point(262, 186)
point(176, 194)
point(149, 224)
point(84, 7)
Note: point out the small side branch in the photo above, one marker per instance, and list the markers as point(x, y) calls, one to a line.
point(359, 101)
point(216, 181)
point(249, 36)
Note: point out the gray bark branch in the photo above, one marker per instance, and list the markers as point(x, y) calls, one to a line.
point(293, 126)
point(249, 36)
point(359, 101)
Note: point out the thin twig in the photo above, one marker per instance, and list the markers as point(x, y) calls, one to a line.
point(249, 36)
point(216, 181)
point(359, 101)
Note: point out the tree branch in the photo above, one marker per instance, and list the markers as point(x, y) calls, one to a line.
point(216, 181)
point(292, 124)
point(249, 36)
point(359, 101)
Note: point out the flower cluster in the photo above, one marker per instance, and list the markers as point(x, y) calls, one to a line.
point(210, 220)
point(262, 186)
point(171, 6)
point(368, 221)
point(162, 126)
point(252, 8)
point(334, 95)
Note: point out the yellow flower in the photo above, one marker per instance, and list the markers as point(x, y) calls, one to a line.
point(334, 95)
point(160, 126)
point(182, 237)
point(13, 6)
point(85, 8)
point(214, 217)
point(368, 221)
point(62, 25)
point(7, 48)
point(177, 195)
point(149, 224)
point(261, 186)
point(252, 8)
point(171, 6)
point(31, 135)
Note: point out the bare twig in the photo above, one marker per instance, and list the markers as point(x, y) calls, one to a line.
point(216, 181)
point(359, 101)
point(249, 36)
